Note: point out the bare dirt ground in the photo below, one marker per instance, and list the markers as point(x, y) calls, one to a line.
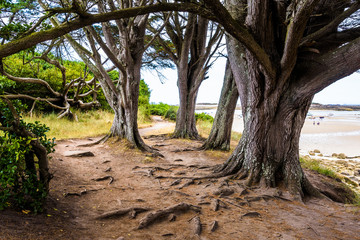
point(124, 179)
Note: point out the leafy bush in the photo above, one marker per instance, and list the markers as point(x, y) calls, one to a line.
point(19, 184)
point(171, 113)
point(159, 109)
point(165, 110)
point(204, 117)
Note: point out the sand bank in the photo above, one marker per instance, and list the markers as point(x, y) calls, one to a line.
point(332, 135)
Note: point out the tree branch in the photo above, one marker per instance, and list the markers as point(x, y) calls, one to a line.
point(294, 34)
point(156, 35)
point(329, 28)
point(32, 80)
point(47, 100)
point(107, 51)
point(337, 39)
point(239, 32)
point(346, 59)
point(38, 37)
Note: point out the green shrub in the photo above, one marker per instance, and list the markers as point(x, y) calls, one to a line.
point(159, 109)
point(164, 110)
point(204, 117)
point(20, 186)
point(171, 113)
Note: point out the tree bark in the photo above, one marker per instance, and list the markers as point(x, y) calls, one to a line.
point(268, 152)
point(192, 63)
point(125, 107)
point(220, 134)
point(185, 118)
point(126, 54)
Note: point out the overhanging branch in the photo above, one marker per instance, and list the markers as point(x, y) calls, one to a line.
point(294, 34)
point(323, 70)
point(330, 27)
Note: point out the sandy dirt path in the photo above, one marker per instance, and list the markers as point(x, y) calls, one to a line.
point(136, 179)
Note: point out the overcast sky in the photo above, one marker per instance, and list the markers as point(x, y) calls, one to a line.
point(344, 91)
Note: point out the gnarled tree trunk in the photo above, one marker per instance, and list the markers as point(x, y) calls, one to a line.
point(185, 118)
point(123, 44)
point(276, 97)
point(193, 51)
point(220, 134)
point(268, 152)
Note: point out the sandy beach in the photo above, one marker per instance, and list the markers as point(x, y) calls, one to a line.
point(325, 130)
point(332, 135)
point(339, 133)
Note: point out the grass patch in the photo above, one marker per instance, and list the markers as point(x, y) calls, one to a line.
point(318, 167)
point(90, 124)
point(235, 136)
point(204, 128)
point(144, 119)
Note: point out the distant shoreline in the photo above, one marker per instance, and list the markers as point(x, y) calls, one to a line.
point(314, 106)
point(334, 107)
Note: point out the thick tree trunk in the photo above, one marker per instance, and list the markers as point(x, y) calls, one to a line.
point(185, 118)
point(220, 133)
point(127, 58)
point(125, 107)
point(192, 63)
point(268, 152)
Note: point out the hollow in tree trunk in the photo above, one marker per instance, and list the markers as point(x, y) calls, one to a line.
point(220, 133)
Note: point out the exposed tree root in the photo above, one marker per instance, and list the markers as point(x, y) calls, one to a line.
point(147, 173)
point(213, 226)
point(237, 204)
point(82, 192)
point(141, 145)
point(176, 182)
point(102, 140)
point(217, 204)
point(180, 193)
point(188, 183)
point(224, 192)
point(252, 214)
point(160, 214)
point(154, 168)
point(121, 212)
point(160, 136)
point(79, 154)
point(104, 178)
point(196, 225)
point(184, 150)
